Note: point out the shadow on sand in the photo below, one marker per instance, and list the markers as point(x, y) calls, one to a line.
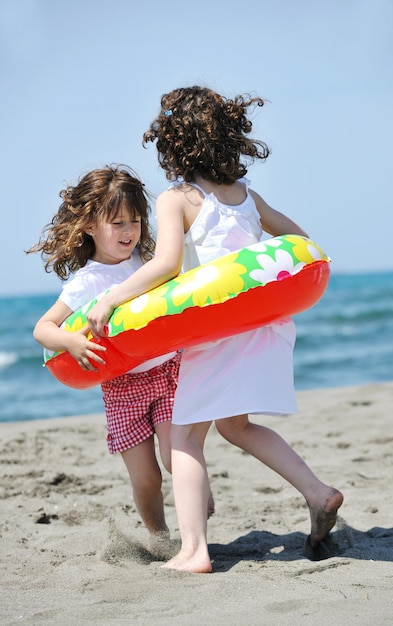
point(375, 544)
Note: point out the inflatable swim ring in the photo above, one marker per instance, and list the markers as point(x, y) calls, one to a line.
point(238, 292)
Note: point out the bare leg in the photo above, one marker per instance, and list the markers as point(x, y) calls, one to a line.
point(210, 504)
point(146, 481)
point(192, 493)
point(163, 436)
point(163, 432)
point(267, 446)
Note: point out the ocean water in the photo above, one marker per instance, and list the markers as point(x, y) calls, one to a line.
point(345, 339)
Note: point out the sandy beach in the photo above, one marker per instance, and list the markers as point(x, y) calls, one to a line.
point(73, 550)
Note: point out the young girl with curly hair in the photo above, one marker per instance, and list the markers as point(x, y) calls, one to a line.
point(208, 211)
point(100, 236)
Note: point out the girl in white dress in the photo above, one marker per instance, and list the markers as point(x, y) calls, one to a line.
point(207, 212)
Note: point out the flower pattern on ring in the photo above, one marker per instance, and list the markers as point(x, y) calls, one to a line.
point(277, 268)
point(203, 288)
point(138, 312)
point(305, 250)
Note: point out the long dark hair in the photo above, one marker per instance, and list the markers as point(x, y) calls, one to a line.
point(99, 195)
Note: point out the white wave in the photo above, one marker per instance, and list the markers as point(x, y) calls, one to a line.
point(7, 358)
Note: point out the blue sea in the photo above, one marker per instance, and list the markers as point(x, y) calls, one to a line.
point(345, 339)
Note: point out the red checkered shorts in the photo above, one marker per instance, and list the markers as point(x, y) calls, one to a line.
point(135, 403)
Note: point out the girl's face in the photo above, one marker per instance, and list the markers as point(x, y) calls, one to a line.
point(115, 240)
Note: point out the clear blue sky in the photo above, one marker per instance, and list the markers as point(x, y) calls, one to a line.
point(82, 79)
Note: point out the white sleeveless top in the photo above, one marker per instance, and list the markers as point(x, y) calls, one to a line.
point(250, 372)
point(220, 229)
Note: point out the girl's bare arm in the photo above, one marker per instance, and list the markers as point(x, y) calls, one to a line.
point(274, 222)
point(48, 333)
point(165, 265)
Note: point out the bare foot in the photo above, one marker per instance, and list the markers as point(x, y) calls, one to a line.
point(196, 564)
point(324, 517)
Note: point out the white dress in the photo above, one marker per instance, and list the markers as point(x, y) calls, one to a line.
point(247, 373)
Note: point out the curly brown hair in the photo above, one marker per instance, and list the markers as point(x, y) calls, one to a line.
point(201, 132)
point(99, 195)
